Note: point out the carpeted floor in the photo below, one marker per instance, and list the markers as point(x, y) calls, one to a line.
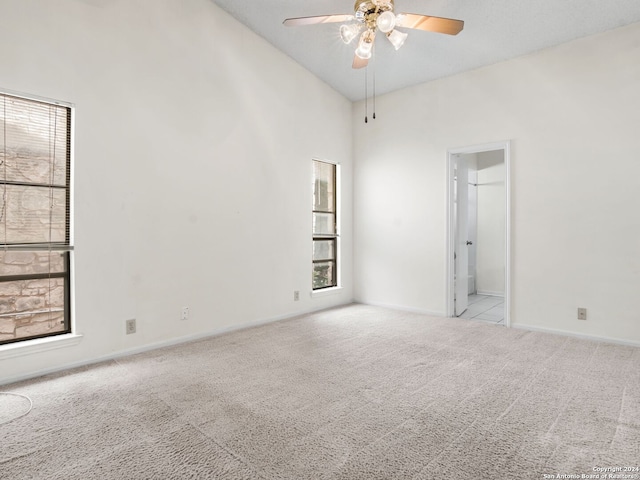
point(351, 393)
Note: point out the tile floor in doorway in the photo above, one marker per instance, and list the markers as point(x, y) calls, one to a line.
point(485, 308)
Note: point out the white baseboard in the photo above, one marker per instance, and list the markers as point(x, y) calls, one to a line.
point(404, 308)
point(567, 333)
point(490, 294)
point(157, 345)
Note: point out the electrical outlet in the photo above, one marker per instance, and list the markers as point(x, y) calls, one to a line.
point(296, 295)
point(582, 314)
point(131, 326)
point(185, 313)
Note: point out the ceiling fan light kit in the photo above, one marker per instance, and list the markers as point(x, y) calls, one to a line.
point(374, 15)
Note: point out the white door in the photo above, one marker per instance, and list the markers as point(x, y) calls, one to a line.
point(461, 249)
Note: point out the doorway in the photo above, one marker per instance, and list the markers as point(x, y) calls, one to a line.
point(479, 233)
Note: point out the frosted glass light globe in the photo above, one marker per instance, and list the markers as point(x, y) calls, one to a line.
point(365, 46)
point(386, 21)
point(397, 38)
point(349, 32)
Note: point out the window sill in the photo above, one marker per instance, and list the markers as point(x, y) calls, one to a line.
point(29, 347)
point(325, 292)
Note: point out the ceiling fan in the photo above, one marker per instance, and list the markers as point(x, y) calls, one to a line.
point(371, 16)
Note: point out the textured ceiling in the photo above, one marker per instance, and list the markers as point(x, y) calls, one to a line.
point(495, 30)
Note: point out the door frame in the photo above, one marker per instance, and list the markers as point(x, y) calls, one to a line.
point(505, 146)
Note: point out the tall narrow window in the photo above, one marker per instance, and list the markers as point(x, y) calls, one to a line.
point(325, 226)
point(35, 243)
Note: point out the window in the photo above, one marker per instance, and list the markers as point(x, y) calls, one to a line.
point(325, 226)
point(35, 194)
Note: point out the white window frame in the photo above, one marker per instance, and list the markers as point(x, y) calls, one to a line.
point(338, 242)
point(52, 342)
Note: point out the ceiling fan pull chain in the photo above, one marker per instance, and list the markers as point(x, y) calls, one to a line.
point(374, 84)
point(366, 97)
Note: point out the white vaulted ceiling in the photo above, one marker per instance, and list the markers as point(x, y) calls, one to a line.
point(495, 30)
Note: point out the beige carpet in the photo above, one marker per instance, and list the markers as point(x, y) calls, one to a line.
point(351, 393)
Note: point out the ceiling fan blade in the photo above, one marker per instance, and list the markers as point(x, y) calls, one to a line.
point(359, 62)
point(449, 26)
point(293, 22)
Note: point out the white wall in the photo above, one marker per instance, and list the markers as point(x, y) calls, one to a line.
point(571, 113)
point(193, 146)
point(490, 268)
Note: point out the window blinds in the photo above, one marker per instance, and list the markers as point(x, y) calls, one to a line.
point(34, 173)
